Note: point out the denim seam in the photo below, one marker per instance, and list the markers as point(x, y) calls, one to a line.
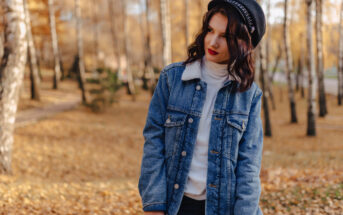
point(154, 203)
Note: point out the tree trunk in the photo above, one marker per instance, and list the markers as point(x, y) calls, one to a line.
point(264, 77)
point(94, 8)
point(267, 82)
point(32, 57)
point(311, 118)
point(115, 38)
point(186, 23)
point(54, 39)
point(340, 59)
point(81, 69)
point(166, 32)
point(11, 76)
point(320, 61)
point(289, 66)
point(130, 81)
point(148, 70)
point(277, 60)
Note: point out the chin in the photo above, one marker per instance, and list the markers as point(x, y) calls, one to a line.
point(215, 59)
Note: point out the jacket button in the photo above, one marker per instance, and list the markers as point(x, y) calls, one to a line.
point(183, 153)
point(176, 186)
point(214, 152)
point(198, 87)
point(190, 120)
point(168, 120)
point(212, 185)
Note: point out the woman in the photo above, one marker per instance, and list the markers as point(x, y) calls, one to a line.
point(203, 134)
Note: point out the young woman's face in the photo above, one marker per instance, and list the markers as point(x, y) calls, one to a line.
point(216, 49)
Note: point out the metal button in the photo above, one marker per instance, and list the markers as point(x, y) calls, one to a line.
point(243, 126)
point(214, 152)
point(212, 185)
point(183, 153)
point(176, 186)
point(198, 87)
point(168, 120)
point(190, 120)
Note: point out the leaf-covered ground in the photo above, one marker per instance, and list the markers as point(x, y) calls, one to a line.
point(79, 162)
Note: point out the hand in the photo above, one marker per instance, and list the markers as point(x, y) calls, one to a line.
point(154, 213)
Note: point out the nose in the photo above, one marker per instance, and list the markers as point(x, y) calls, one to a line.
point(214, 42)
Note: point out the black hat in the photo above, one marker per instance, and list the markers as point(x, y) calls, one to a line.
point(252, 14)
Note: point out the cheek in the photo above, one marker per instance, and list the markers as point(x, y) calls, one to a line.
point(225, 48)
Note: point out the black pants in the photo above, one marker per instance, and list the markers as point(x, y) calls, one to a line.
point(191, 207)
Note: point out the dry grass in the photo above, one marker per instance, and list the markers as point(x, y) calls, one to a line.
point(79, 162)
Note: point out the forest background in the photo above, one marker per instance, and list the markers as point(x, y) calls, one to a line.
point(76, 78)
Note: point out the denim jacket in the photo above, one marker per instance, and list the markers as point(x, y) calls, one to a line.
point(235, 144)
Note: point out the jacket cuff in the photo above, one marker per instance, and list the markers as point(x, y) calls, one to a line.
point(155, 207)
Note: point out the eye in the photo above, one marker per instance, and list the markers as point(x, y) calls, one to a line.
point(209, 30)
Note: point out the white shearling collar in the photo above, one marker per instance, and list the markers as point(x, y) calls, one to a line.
point(192, 71)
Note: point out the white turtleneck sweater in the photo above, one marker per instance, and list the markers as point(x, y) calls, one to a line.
point(214, 75)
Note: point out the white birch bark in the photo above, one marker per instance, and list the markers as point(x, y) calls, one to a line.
point(289, 65)
point(11, 76)
point(34, 74)
point(54, 40)
point(311, 102)
point(81, 69)
point(148, 70)
point(166, 32)
point(186, 2)
point(115, 37)
point(131, 86)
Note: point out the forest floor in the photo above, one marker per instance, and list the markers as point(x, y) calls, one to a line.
point(80, 162)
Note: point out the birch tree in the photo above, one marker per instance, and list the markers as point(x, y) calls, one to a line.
point(166, 32)
point(148, 70)
point(265, 97)
point(81, 66)
point(34, 74)
point(130, 83)
point(54, 40)
point(320, 61)
point(289, 65)
point(11, 76)
point(267, 47)
point(340, 59)
point(94, 8)
point(186, 23)
point(115, 37)
point(311, 108)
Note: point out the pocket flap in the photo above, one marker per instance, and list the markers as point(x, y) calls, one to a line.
point(237, 121)
point(175, 120)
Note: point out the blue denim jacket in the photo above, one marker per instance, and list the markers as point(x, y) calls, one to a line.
point(235, 145)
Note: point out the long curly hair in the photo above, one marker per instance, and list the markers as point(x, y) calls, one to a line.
point(241, 63)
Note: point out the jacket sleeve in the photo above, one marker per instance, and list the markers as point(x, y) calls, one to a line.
point(152, 181)
point(248, 186)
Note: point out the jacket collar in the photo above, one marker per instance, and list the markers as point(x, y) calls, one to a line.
point(193, 71)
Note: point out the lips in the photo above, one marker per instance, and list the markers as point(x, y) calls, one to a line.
point(212, 52)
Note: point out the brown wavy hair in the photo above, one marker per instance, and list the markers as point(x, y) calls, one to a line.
point(239, 45)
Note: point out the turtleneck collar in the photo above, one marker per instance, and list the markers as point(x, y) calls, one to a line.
point(193, 70)
point(214, 70)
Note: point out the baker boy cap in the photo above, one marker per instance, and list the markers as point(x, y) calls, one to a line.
point(252, 14)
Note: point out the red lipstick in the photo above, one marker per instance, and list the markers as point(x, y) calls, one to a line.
point(212, 52)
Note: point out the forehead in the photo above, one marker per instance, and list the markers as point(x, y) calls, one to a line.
point(218, 22)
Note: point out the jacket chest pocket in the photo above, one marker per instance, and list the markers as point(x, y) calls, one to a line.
point(234, 129)
point(173, 131)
